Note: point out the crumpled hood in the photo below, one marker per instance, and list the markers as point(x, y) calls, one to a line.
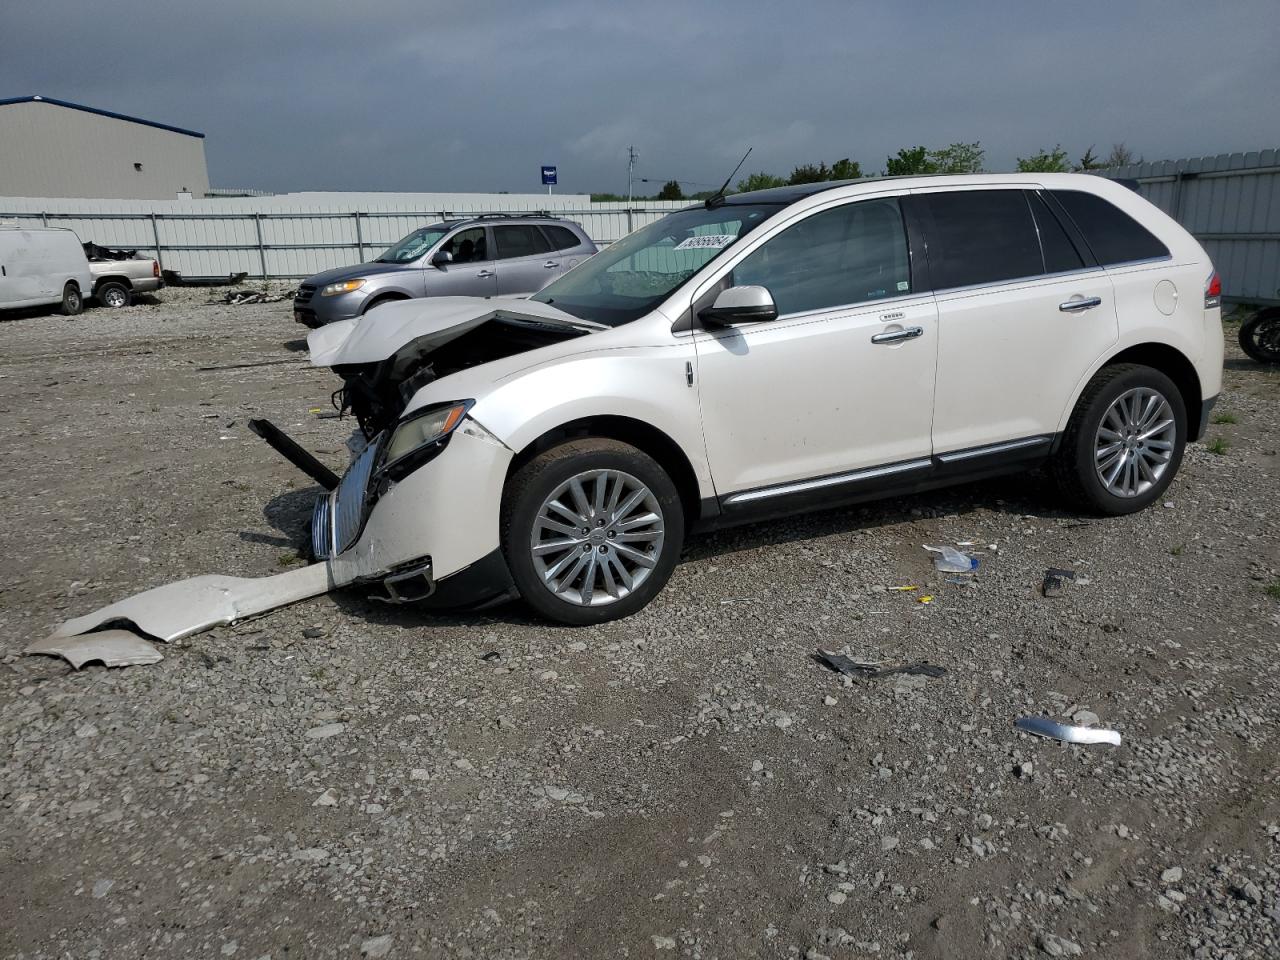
point(432, 321)
point(358, 270)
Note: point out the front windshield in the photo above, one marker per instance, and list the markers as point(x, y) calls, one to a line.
point(627, 279)
point(413, 246)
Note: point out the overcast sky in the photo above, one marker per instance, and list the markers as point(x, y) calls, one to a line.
point(475, 95)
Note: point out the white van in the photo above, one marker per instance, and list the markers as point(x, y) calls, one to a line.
point(43, 265)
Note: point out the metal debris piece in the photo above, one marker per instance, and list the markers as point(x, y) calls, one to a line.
point(1044, 727)
point(111, 648)
point(491, 656)
point(1055, 581)
point(738, 600)
point(854, 668)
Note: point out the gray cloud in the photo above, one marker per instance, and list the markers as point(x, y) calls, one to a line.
point(420, 96)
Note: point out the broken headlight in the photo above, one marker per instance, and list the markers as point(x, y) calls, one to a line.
point(421, 436)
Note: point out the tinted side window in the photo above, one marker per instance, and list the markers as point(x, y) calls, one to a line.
point(1059, 252)
point(1113, 235)
point(524, 240)
point(846, 255)
point(562, 238)
point(467, 246)
point(981, 236)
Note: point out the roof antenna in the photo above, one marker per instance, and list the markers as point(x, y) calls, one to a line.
point(718, 197)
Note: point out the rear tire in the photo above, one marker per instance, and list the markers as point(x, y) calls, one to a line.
point(1260, 336)
point(1124, 442)
point(72, 301)
point(633, 520)
point(114, 295)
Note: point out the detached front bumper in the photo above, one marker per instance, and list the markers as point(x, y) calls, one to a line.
point(437, 522)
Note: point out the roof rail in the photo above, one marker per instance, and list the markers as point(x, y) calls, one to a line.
point(538, 215)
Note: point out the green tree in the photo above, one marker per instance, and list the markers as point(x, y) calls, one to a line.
point(670, 191)
point(1046, 161)
point(1121, 156)
point(760, 181)
point(909, 161)
point(810, 174)
point(846, 169)
point(1089, 161)
point(959, 158)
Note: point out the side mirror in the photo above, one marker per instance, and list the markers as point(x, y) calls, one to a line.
point(740, 305)
point(441, 257)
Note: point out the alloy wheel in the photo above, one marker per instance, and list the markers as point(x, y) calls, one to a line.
point(1135, 442)
point(597, 537)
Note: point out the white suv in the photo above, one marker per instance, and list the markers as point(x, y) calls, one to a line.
point(764, 353)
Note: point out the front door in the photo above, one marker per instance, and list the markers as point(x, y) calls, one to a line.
point(841, 383)
point(471, 273)
point(526, 262)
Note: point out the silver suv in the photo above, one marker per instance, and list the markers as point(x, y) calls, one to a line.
point(484, 256)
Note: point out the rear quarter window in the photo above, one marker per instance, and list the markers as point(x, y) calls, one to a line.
point(1113, 235)
point(561, 238)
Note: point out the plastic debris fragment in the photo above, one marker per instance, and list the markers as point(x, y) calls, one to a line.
point(951, 560)
point(855, 668)
point(1044, 727)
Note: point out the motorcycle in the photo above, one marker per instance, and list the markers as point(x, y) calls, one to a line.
point(1260, 336)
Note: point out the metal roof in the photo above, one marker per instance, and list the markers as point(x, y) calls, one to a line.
point(101, 113)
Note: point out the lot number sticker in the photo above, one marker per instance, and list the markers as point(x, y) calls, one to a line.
point(712, 241)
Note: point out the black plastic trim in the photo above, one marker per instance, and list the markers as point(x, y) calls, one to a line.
point(1202, 426)
point(943, 470)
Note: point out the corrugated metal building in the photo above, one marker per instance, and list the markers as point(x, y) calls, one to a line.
point(52, 148)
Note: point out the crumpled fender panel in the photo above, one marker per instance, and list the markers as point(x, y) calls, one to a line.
point(111, 648)
point(178, 610)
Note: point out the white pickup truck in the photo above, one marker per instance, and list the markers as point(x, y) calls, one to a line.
point(119, 274)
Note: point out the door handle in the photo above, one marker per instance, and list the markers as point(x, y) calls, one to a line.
point(1082, 303)
point(551, 264)
point(485, 273)
point(898, 336)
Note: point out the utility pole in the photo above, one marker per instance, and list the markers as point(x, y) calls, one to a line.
point(631, 166)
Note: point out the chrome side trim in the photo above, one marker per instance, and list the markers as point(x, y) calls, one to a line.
point(321, 529)
point(802, 486)
point(958, 455)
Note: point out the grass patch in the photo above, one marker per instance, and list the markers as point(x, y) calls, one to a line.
point(1273, 590)
point(1219, 446)
point(1177, 551)
point(290, 560)
point(1225, 418)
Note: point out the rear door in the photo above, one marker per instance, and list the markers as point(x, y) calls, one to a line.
point(567, 249)
point(1023, 313)
point(525, 261)
point(26, 267)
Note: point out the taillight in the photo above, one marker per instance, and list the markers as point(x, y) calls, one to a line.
point(1213, 291)
point(155, 268)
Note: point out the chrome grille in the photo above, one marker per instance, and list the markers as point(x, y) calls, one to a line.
point(321, 530)
point(304, 294)
point(348, 499)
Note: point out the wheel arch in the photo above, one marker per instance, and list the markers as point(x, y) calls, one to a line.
point(1170, 361)
point(384, 296)
point(112, 278)
point(639, 434)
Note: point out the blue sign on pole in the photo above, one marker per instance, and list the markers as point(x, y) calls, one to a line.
point(548, 176)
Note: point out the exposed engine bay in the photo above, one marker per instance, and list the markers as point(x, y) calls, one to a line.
point(377, 393)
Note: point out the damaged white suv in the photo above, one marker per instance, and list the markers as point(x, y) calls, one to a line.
point(760, 354)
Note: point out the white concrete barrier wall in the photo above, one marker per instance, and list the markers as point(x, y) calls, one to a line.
point(295, 235)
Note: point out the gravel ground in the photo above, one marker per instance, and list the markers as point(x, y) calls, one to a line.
point(343, 779)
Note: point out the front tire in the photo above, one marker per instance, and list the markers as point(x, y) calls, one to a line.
point(72, 301)
point(1124, 442)
point(591, 530)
